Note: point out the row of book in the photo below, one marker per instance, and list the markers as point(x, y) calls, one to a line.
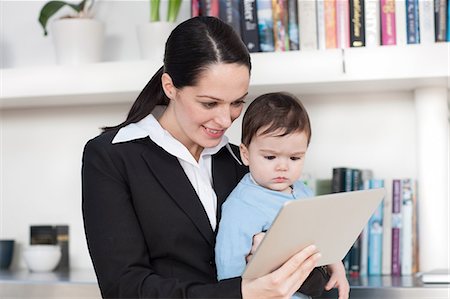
point(287, 25)
point(388, 243)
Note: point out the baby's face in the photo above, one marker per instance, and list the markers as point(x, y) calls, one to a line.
point(276, 162)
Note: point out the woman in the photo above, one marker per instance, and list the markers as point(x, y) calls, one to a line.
point(153, 185)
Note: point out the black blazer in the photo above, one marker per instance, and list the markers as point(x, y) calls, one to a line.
point(148, 234)
point(147, 231)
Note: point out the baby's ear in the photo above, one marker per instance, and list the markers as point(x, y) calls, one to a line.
point(244, 154)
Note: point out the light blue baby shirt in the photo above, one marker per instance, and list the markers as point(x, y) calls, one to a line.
point(248, 210)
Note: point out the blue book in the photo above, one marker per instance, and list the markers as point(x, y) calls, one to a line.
point(376, 235)
point(412, 22)
point(265, 25)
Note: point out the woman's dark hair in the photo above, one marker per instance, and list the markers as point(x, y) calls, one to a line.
point(275, 111)
point(192, 46)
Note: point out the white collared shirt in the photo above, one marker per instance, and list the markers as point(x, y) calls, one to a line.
point(199, 173)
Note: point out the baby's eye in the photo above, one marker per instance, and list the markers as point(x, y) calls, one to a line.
point(269, 157)
point(295, 158)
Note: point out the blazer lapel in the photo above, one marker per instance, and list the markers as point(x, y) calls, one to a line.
point(168, 171)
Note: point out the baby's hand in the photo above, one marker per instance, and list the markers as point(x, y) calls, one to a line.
point(338, 280)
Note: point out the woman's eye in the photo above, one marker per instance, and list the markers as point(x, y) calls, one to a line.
point(209, 105)
point(238, 103)
point(269, 157)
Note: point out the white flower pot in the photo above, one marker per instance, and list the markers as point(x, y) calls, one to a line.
point(78, 40)
point(152, 39)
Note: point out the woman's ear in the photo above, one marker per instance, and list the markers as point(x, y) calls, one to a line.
point(167, 85)
point(244, 154)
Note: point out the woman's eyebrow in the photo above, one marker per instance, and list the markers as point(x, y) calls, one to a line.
point(220, 100)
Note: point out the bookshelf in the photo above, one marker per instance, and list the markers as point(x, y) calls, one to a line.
point(300, 72)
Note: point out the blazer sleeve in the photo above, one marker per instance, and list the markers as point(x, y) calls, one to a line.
point(116, 242)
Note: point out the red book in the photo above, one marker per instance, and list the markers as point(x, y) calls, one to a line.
point(388, 32)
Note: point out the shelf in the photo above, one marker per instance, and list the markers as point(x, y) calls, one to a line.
point(300, 72)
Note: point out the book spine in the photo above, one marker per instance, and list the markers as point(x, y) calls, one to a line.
point(321, 35)
point(229, 12)
point(348, 180)
point(400, 22)
point(265, 25)
point(249, 25)
point(195, 8)
point(343, 23)
point(387, 229)
point(294, 43)
point(448, 22)
point(338, 179)
point(307, 17)
point(357, 24)
point(440, 11)
point(330, 24)
point(412, 19)
point(407, 225)
point(355, 259)
point(415, 265)
point(396, 227)
point(426, 21)
point(372, 23)
point(62, 239)
point(365, 177)
point(388, 34)
point(214, 8)
point(376, 235)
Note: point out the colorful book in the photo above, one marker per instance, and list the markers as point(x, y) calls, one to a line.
point(229, 12)
point(400, 22)
point(357, 23)
point(330, 24)
point(388, 34)
point(372, 23)
point(396, 226)
point(366, 176)
point(280, 25)
point(343, 23)
point(265, 25)
point(426, 21)
point(412, 22)
point(376, 235)
point(195, 8)
point(307, 18)
point(249, 25)
point(294, 42)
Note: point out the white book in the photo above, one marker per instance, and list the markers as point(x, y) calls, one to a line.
point(321, 35)
point(406, 250)
point(307, 19)
point(372, 23)
point(400, 22)
point(387, 230)
point(426, 21)
point(363, 263)
point(436, 276)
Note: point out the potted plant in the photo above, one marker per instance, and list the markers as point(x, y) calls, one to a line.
point(152, 36)
point(77, 37)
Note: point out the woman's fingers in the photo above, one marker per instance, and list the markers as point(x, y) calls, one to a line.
point(307, 258)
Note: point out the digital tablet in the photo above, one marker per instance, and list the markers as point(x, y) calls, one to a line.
point(331, 222)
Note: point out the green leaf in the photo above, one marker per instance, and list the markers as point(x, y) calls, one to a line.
point(154, 10)
point(50, 9)
point(173, 10)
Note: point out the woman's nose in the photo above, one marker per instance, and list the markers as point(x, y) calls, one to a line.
point(223, 118)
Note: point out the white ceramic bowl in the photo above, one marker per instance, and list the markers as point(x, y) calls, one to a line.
point(42, 258)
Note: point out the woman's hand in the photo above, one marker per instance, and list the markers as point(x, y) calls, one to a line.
point(338, 279)
point(286, 280)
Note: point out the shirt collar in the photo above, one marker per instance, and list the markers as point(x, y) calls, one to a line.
point(150, 127)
